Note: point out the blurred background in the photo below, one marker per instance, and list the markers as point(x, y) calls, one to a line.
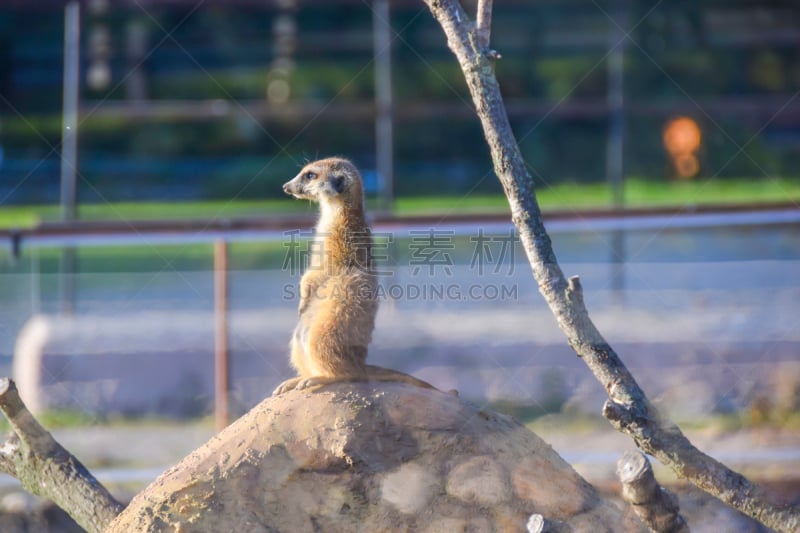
point(148, 249)
point(221, 100)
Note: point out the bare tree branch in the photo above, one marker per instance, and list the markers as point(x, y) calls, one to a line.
point(628, 408)
point(483, 22)
point(656, 506)
point(45, 468)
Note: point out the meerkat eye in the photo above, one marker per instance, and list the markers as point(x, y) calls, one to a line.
point(308, 176)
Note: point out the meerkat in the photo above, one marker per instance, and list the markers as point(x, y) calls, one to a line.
point(338, 291)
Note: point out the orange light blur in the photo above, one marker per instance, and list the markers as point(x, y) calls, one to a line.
point(682, 138)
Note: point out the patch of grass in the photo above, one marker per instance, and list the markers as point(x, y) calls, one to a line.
point(64, 418)
point(26, 216)
point(639, 192)
point(30, 215)
point(124, 258)
point(721, 423)
point(68, 418)
point(789, 420)
point(177, 210)
point(156, 258)
point(524, 413)
point(454, 205)
point(742, 420)
point(568, 421)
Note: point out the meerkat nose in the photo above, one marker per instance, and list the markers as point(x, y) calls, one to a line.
point(286, 188)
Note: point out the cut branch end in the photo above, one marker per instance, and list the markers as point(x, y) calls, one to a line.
point(539, 524)
point(5, 383)
point(657, 507)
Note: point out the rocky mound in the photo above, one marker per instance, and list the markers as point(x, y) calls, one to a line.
point(370, 457)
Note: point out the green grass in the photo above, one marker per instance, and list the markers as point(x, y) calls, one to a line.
point(57, 419)
point(568, 422)
point(713, 192)
point(66, 418)
point(155, 258)
point(638, 193)
point(30, 215)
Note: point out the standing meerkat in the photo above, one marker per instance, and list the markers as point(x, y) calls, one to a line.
point(338, 291)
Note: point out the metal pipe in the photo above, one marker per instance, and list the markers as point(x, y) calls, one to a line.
point(69, 146)
point(221, 362)
point(69, 134)
point(615, 146)
point(133, 233)
point(616, 107)
point(384, 141)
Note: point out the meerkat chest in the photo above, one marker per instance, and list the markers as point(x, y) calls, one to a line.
point(316, 256)
point(324, 235)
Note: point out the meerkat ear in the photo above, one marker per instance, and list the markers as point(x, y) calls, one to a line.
point(337, 182)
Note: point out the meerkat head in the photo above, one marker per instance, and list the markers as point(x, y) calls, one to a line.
point(327, 180)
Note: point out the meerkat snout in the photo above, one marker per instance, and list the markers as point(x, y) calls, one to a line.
point(297, 186)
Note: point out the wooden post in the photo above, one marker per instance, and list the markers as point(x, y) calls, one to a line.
point(615, 144)
point(221, 364)
point(69, 146)
point(69, 132)
point(384, 139)
point(615, 98)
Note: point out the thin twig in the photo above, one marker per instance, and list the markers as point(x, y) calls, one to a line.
point(483, 29)
point(483, 24)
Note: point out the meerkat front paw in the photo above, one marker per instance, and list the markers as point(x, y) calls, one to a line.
point(315, 382)
point(286, 386)
point(300, 383)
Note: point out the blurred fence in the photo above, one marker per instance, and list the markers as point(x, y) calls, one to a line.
point(710, 297)
point(246, 90)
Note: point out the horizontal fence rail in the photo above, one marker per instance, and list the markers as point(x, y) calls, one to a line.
point(127, 232)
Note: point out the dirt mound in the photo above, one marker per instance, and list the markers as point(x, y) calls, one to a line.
point(370, 457)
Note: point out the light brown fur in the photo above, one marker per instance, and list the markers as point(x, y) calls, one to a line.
point(338, 290)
